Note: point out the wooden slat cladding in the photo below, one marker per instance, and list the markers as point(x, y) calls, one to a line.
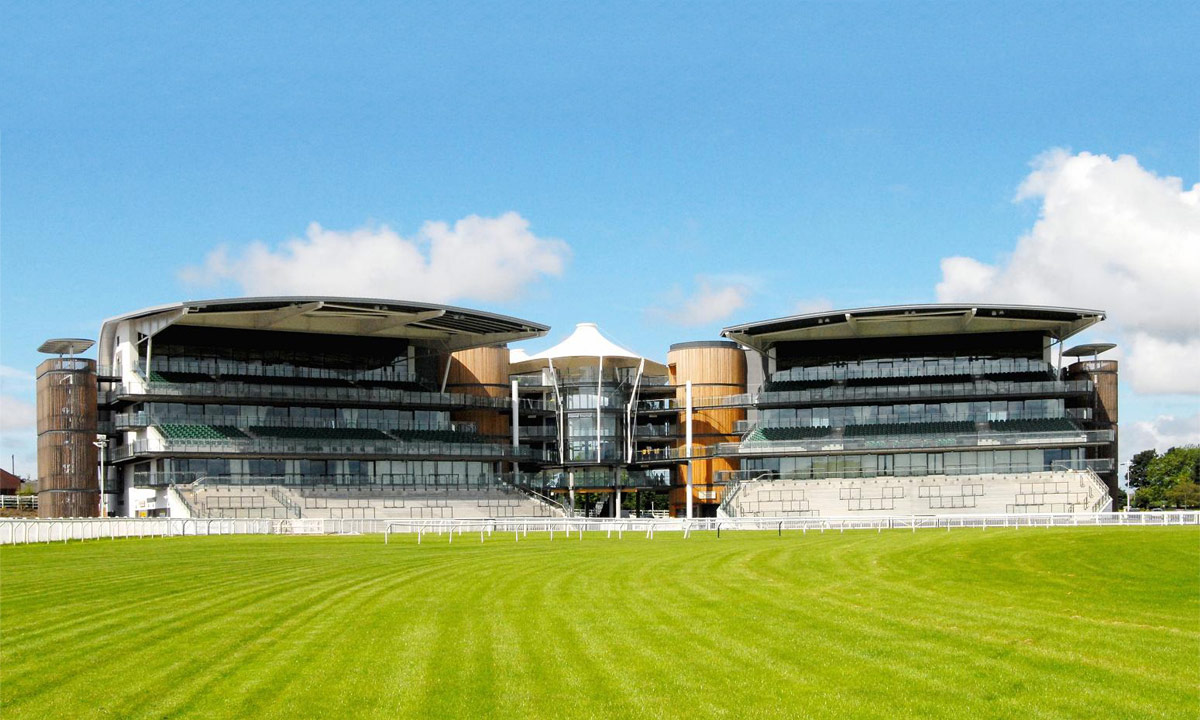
point(715, 370)
point(66, 426)
point(482, 372)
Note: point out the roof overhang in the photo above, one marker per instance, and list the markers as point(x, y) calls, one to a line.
point(443, 326)
point(914, 320)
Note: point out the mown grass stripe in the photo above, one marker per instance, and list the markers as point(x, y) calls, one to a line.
point(1045, 623)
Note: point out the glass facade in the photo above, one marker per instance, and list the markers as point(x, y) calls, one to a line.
point(255, 438)
point(308, 472)
point(815, 404)
point(297, 416)
point(982, 411)
point(816, 467)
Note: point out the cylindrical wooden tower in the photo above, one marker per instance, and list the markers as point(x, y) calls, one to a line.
point(715, 368)
point(1103, 374)
point(68, 483)
point(481, 371)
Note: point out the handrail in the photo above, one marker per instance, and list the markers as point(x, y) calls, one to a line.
point(731, 492)
point(287, 503)
point(542, 498)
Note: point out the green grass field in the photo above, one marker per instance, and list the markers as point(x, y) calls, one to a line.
point(1095, 623)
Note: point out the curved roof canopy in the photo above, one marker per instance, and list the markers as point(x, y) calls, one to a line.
point(443, 326)
point(914, 320)
point(1089, 349)
point(66, 346)
point(585, 347)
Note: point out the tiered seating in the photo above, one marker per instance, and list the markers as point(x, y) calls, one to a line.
point(303, 433)
point(239, 501)
point(367, 502)
point(168, 376)
point(436, 436)
point(988, 493)
point(1034, 425)
point(788, 433)
point(178, 431)
point(954, 427)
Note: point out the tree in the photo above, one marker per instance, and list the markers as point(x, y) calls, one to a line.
point(1136, 476)
point(1169, 480)
point(1183, 495)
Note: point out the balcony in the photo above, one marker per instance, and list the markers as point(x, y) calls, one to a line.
point(322, 447)
point(539, 432)
point(141, 419)
point(990, 389)
point(349, 396)
point(656, 431)
point(838, 445)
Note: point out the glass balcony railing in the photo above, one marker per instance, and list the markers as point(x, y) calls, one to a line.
point(537, 431)
point(785, 422)
point(916, 367)
point(990, 440)
point(345, 483)
point(235, 392)
point(726, 477)
point(656, 431)
point(125, 421)
point(833, 395)
point(310, 447)
point(991, 389)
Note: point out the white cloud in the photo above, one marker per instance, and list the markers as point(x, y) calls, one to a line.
point(478, 258)
point(18, 433)
point(9, 374)
point(812, 305)
point(16, 414)
point(1162, 433)
point(715, 298)
point(1114, 236)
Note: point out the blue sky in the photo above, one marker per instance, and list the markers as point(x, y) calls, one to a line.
point(702, 163)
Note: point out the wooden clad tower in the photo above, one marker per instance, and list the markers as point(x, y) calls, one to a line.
point(716, 368)
point(68, 484)
point(1103, 374)
point(481, 371)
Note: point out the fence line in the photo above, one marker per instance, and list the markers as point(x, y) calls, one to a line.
point(19, 501)
point(16, 531)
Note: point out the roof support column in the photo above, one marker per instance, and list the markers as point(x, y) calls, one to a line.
point(688, 444)
point(446, 372)
point(516, 423)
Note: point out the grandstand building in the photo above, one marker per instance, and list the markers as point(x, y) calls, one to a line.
point(925, 409)
point(249, 404)
point(359, 408)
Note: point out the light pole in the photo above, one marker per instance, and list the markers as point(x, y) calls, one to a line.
point(1128, 489)
point(102, 443)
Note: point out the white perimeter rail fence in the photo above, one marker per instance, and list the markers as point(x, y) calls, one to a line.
point(16, 531)
point(576, 527)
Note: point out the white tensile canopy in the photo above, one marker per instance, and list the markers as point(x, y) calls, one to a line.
point(587, 348)
point(583, 348)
